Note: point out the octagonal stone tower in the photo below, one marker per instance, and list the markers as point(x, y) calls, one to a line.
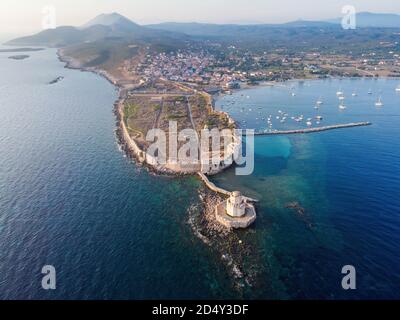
point(236, 207)
point(235, 212)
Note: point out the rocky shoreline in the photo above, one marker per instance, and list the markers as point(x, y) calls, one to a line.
point(236, 250)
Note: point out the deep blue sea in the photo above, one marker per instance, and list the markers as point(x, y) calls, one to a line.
point(70, 198)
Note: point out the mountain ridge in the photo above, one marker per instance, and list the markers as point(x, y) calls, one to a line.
point(101, 27)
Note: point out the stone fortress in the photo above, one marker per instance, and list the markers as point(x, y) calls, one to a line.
point(236, 212)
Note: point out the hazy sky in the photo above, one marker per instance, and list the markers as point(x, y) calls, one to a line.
point(25, 16)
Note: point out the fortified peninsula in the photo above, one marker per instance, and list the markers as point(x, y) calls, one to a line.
point(152, 104)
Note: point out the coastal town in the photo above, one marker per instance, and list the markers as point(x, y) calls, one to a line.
point(216, 72)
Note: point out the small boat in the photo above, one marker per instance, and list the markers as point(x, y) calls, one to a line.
point(309, 123)
point(293, 94)
point(379, 103)
point(369, 91)
point(319, 118)
point(341, 98)
point(342, 106)
point(398, 88)
point(354, 94)
point(319, 102)
point(340, 92)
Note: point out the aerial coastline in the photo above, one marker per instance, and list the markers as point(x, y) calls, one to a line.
point(180, 160)
point(133, 149)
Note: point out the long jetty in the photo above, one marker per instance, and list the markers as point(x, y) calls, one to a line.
point(214, 188)
point(311, 130)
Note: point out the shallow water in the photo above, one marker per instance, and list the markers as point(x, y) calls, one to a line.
point(347, 181)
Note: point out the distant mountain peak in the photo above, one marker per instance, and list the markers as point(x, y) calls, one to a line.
point(110, 19)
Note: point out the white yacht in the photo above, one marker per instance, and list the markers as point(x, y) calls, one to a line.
point(379, 103)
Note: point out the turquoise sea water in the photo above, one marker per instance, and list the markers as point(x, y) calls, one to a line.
point(69, 197)
point(346, 180)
